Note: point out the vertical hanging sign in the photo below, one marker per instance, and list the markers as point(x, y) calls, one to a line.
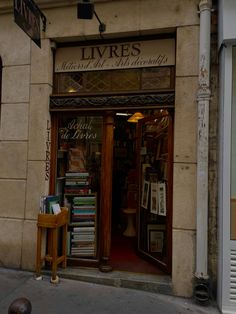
point(27, 17)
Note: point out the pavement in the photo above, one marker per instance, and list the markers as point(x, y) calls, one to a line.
point(75, 297)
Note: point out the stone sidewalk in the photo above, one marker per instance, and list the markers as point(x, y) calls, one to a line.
point(74, 297)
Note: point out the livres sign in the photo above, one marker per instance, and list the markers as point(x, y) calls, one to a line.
point(27, 16)
point(138, 54)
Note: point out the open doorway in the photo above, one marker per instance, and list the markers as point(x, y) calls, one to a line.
point(125, 198)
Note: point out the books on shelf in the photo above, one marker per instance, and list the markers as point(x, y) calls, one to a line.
point(83, 207)
point(77, 174)
point(83, 241)
point(77, 182)
point(82, 225)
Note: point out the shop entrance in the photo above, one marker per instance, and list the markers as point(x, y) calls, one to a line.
point(142, 180)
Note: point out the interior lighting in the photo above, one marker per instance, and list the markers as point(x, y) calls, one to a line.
point(123, 114)
point(132, 119)
point(138, 115)
point(71, 90)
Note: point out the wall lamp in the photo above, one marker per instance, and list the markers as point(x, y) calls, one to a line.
point(85, 11)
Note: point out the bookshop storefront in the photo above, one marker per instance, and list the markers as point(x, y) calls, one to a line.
point(112, 152)
point(107, 123)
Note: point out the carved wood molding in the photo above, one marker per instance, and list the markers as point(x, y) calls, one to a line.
point(111, 102)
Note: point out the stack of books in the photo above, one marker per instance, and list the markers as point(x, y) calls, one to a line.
point(83, 241)
point(83, 213)
point(83, 208)
point(77, 182)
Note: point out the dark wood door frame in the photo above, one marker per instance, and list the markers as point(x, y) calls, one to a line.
point(106, 191)
point(106, 184)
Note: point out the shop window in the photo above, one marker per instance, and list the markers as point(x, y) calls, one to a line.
point(97, 81)
point(126, 80)
point(69, 82)
point(233, 150)
point(146, 79)
point(78, 180)
point(156, 78)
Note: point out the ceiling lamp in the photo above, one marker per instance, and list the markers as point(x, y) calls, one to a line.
point(135, 117)
point(132, 119)
point(138, 116)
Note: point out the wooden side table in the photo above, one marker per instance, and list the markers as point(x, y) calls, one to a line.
point(52, 223)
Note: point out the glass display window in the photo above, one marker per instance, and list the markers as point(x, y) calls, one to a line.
point(78, 179)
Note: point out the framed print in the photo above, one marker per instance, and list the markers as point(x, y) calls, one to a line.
point(145, 194)
point(156, 239)
point(154, 198)
point(161, 187)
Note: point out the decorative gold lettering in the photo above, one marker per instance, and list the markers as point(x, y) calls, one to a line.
point(77, 129)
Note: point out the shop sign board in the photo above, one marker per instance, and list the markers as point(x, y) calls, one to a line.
point(27, 17)
point(136, 54)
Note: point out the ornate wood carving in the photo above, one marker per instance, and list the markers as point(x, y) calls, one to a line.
point(108, 102)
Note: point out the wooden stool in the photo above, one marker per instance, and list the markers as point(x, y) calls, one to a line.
point(130, 228)
point(52, 223)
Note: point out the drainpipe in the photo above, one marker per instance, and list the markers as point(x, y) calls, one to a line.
point(203, 99)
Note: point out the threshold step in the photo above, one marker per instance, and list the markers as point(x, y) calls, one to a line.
point(146, 282)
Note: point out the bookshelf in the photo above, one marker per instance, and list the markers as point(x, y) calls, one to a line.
point(82, 228)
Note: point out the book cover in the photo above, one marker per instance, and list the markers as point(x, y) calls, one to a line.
point(50, 200)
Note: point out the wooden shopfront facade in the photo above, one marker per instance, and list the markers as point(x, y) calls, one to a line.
point(115, 176)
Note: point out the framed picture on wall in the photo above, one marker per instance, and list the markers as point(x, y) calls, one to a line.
point(156, 239)
point(161, 187)
point(145, 194)
point(154, 198)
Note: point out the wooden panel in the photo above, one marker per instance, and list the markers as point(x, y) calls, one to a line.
point(106, 201)
point(53, 221)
